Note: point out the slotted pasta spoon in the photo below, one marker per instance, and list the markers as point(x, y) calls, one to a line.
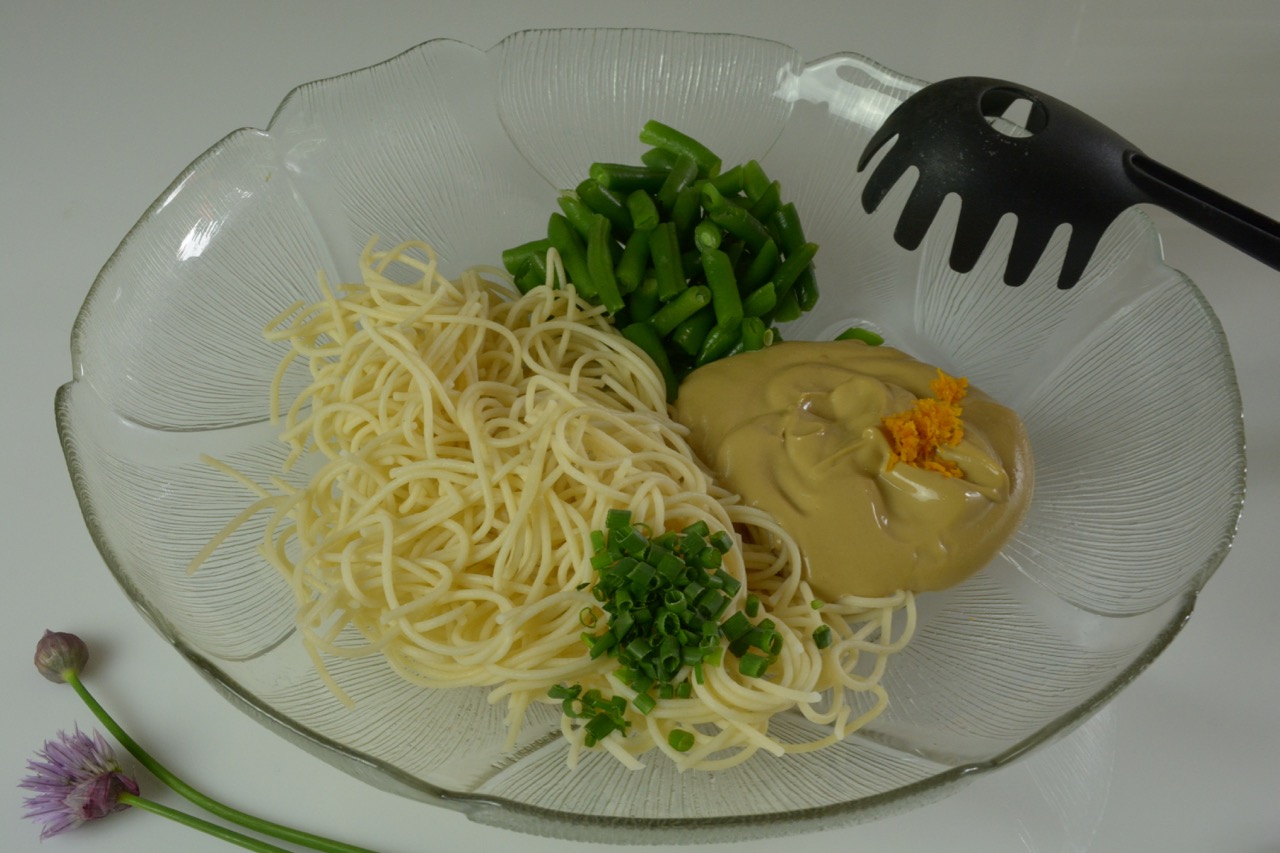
point(1062, 167)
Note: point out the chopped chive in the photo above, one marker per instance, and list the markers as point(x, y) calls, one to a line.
point(644, 703)
point(822, 636)
point(753, 665)
point(680, 740)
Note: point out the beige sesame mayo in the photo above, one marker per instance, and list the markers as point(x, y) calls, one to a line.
point(797, 429)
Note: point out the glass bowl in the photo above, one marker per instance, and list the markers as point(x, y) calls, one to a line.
point(1125, 385)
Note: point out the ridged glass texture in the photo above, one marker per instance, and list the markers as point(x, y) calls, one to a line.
point(1125, 384)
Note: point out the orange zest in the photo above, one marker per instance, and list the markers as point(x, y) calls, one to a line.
point(932, 423)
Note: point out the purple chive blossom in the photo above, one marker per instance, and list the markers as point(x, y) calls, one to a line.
point(58, 653)
point(80, 779)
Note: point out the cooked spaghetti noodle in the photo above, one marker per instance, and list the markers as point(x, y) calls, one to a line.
point(472, 439)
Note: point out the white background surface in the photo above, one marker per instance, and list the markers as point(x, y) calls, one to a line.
point(101, 105)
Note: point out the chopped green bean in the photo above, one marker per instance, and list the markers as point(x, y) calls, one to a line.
point(607, 203)
point(533, 273)
point(660, 135)
point(684, 306)
point(514, 259)
point(742, 225)
point(856, 333)
point(600, 264)
point(785, 223)
point(625, 179)
point(806, 288)
point(712, 198)
point(633, 263)
point(682, 175)
point(528, 278)
point(644, 213)
point(659, 158)
point(577, 212)
point(792, 266)
point(728, 182)
point(763, 264)
point(707, 235)
point(768, 202)
point(753, 330)
point(573, 254)
point(664, 249)
point(719, 341)
point(725, 298)
point(644, 301)
point(684, 214)
point(787, 309)
point(754, 180)
point(690, 334)
point(760, 301)
point(642, 335)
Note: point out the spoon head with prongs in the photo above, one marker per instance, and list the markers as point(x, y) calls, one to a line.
point(1063, 167)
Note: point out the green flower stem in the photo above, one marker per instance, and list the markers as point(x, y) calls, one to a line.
point(194, 822)
point(257, 824)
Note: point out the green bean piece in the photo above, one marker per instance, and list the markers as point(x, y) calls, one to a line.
point(573, 254)
point(644, 213)
point(760, 301)
point(643, 336)
point(600, 264)
point(753, 329)
point(707, 235)
point(659, 135)
point(742, 225)
point(644, 301)
point(514, 259)
point(712, 198)
point(754, 180)
point(684, 306)
point(577, 212)
point(664, 249)
point(685, 213)
point(768, 202)
point(625, 179)
point(659, 158)
point(606, 202)
point(728, 182)
point(691, 260)
point(791, 267)
point(763, 264)
point(725, 298)
point(533, 273)
point(785, 224)
point(634, 261)
point(529, 277)
point(857, 333)
point(690, 334)
point(682, 174)
point(735, 249)
point(806, 290)
point(718, 342)
point(787, 309)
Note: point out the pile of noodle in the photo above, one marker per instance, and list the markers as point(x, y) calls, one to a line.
point(472, 439)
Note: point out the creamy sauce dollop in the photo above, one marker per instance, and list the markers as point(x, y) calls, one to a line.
point(796, 429)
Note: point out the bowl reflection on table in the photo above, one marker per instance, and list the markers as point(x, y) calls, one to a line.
point(1125, 385)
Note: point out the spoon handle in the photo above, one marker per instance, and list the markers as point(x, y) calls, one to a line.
point(1256, 235)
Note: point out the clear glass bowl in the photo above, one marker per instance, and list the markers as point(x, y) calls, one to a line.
point(1125, 384)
